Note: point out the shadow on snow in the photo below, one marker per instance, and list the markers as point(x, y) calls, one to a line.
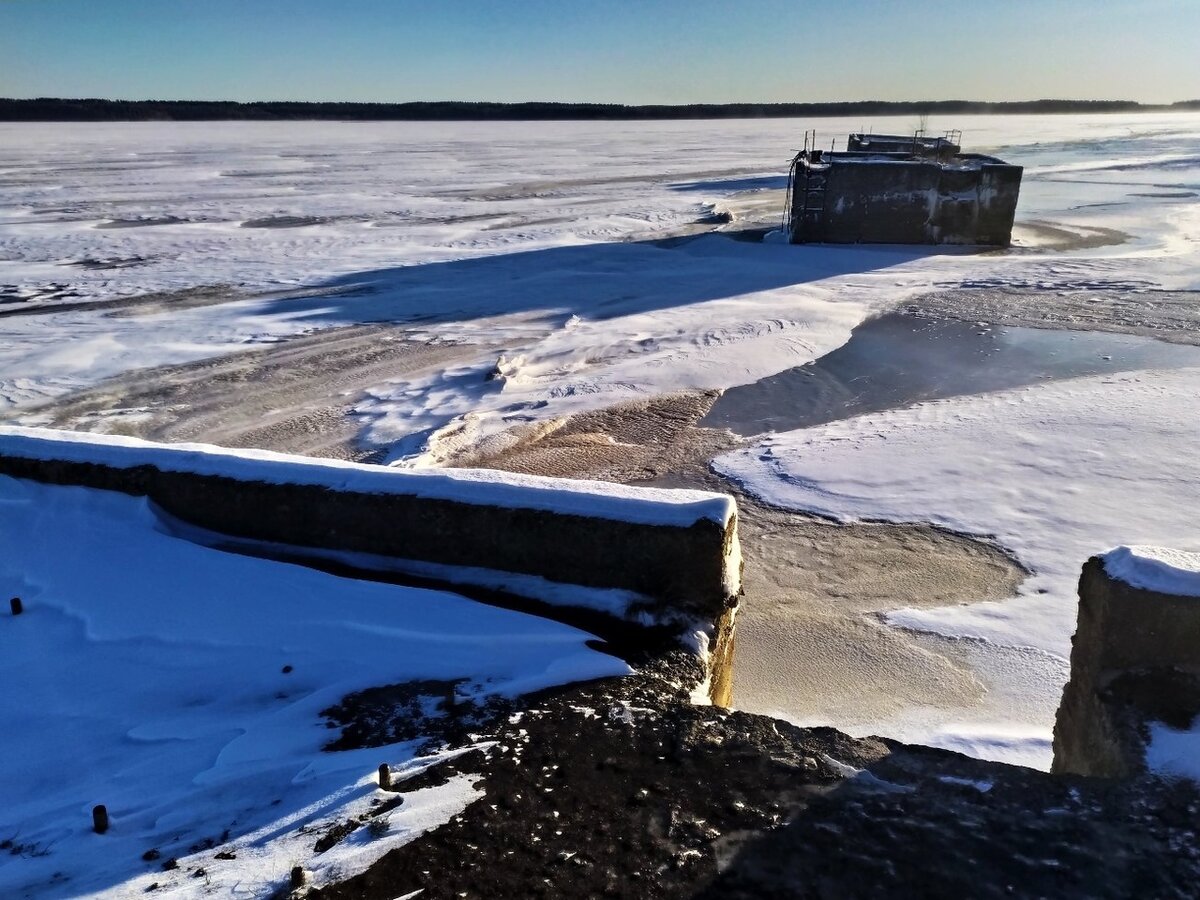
point(596, 281)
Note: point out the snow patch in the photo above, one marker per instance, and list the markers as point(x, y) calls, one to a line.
point(982, 786)
point(1158, 569)
point(1174, 752)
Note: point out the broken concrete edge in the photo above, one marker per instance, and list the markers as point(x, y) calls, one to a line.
point(1135, 661)
point(637, 579)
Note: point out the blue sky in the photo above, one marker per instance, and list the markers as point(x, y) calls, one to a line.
point(628, 51)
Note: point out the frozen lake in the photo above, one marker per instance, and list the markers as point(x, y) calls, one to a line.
point(523, 272)
point(100, 212)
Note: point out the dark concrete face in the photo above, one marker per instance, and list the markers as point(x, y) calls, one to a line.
point(999, 186)
point(906, 201)
point(1134, 660)
point(881, 203)
point(684, 572)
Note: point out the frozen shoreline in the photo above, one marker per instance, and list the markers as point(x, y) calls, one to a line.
point(419, 224)
point(1054, 472)
point(529, 301)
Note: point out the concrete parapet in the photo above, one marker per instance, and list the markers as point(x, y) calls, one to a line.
point(678, 551)
point(1135, 658)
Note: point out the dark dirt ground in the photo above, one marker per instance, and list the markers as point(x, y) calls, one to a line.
point(622, 788)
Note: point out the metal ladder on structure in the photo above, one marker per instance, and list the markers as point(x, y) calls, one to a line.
point(916, 144)
point(808, 184)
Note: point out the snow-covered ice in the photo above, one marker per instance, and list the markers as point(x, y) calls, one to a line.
point(538, 243)
point(531, 240)
point(147, 673)
point(1055, 473)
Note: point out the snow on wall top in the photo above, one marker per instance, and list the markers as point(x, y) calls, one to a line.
point(480, 487)
point(1155, 569)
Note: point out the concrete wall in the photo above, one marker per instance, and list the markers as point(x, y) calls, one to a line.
point(1130, 657)
point(999, 187)
point(690, 572)
point(913, 202)
point(880, 202)
point(1125, 627)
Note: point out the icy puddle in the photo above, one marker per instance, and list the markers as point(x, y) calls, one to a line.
point(897, 360)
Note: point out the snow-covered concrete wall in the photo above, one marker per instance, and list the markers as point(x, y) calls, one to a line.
point(674, 552)
point(911, 201)
point(1135, 660)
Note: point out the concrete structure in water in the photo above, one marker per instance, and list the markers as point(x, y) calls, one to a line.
point(896, 189)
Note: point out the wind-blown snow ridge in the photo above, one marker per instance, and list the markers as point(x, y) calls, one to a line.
point(481, 487)
point(1160, 569)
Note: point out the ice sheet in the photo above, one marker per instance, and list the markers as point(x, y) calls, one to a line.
point(1055, 473)
point(537, 237)
point(538, 243)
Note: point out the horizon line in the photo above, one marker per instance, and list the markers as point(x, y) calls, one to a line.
point(96, 109)
point(607, 103)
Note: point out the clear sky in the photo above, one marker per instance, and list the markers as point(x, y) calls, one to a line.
point(626, 51)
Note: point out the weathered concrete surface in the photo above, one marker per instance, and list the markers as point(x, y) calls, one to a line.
point(687, 573)
point(863, 199)
point(1135, 658)
point(720, 659)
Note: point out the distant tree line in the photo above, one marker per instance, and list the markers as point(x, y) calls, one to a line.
point(53, 109)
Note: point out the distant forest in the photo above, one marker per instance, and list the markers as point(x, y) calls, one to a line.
point(92, 110)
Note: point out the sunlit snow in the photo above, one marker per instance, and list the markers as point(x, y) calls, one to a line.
point(537, 246)
point(148, 674)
